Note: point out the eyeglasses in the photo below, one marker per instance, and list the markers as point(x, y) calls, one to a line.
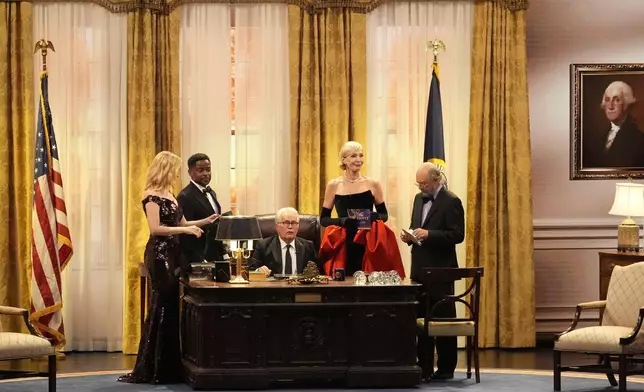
point(421, 184)
point(289, 223)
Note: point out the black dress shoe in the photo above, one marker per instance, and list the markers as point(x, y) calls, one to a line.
point(442, 376)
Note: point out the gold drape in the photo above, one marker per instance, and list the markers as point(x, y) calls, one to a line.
point(153, 126)
point(327, 59)
point(16, 154)
point(499, 196)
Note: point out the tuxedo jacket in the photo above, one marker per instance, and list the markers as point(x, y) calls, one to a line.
point(195, 206)
point(445, 222)
point(268, 252)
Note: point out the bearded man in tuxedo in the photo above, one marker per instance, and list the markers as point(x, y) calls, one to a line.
point(438, 221)
point(198, 200)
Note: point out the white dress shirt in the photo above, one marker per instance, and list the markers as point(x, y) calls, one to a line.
point(293, 258)
point(611, 135)
point(428, 206)
point(209, 196)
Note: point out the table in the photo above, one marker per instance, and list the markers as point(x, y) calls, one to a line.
point(256, 335)
point(608, 259)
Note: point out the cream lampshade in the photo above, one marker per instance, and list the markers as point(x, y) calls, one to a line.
point(629, 202)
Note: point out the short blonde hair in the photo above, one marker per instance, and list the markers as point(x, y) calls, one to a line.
point(286, 211)
point(165, 166)
point(347, 149)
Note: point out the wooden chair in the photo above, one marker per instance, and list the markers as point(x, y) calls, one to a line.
point(617, 338)
point(14, 345)
point(468, 326)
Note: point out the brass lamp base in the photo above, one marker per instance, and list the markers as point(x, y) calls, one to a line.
point(239, 275)
point(239, 280)
point(628, 236)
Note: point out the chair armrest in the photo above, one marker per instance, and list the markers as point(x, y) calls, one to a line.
point(631, 338)
point(581, 307)
point(592, 305)
point(11, 311)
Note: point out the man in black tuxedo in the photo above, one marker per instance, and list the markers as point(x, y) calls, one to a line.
point(438, 222)
point(619, 143)
point(198, 200)
point(284, 253)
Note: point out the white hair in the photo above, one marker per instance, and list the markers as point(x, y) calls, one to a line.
point(622, 89)
point(286, 211)
point(434, 172)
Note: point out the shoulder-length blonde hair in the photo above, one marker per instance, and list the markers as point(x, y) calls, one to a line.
point(347, 149)
point(163, 170)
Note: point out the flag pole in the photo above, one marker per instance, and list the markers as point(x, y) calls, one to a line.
point(437, 46)
point(44, 45)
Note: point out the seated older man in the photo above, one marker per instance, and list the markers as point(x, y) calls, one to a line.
point(284, 253)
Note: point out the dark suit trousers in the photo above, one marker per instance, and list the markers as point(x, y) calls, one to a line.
point(446, 347)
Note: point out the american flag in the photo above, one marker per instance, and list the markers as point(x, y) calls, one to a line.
point(50, 238)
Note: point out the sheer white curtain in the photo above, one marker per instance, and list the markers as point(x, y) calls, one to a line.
point(205, 90)
point(87, 81)
point(262, 123)
point(398, 77)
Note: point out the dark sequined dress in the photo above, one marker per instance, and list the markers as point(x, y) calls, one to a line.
point(355, 252)
point(159, 357)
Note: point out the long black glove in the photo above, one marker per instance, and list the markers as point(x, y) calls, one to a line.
point(326, 220)
point(380, 213)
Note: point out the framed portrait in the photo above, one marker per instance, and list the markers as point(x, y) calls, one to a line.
point(607, 121)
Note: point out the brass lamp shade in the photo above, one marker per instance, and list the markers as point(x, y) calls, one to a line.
point(629, 201)
point(239, 228)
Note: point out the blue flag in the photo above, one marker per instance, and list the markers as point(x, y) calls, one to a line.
point(434, 143)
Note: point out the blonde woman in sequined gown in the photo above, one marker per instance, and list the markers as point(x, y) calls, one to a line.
point(159, 358)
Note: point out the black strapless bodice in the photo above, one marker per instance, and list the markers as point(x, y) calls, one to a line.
point(362, 200)
point(342, 203)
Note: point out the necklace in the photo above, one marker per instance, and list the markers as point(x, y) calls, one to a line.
point(351, 181)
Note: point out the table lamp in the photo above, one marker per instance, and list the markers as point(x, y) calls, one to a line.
point(629, 201)
point(236, 230)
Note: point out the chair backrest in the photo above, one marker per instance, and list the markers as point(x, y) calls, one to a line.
point(625, 296)
point(309, 229)
point(434, 282)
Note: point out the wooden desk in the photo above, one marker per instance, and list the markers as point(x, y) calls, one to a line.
point(608, 260)
point(255, 335)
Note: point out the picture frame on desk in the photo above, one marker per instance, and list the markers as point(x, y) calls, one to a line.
point(606, 128)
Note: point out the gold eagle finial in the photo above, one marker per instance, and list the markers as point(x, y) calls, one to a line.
point(435, 45)
point(44, 45)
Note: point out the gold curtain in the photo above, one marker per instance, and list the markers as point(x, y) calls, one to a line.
point(499, 196)
point(327, 59)
point(153, 125)
point(16, 154)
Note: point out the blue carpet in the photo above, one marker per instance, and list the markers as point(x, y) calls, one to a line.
point(489, 382)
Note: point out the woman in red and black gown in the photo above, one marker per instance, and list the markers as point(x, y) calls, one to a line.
point(352, 191)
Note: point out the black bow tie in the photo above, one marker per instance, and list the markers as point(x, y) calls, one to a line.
point(207, 190)
point(428, 199)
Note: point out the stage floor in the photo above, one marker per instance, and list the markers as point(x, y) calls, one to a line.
point(532, 359)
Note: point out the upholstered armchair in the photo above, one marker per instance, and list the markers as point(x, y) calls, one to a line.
point(617, 338)
point(14, 345)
